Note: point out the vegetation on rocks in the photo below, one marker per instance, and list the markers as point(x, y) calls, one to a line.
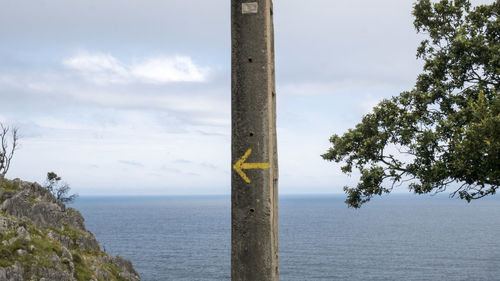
point(42, 239)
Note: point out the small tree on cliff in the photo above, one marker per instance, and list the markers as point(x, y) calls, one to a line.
point(7, 135)
point(446, 131)
point(59, 189)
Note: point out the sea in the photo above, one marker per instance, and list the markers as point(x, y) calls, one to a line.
point(394, 237)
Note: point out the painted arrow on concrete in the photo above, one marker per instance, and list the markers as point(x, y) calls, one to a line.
point(241, 165)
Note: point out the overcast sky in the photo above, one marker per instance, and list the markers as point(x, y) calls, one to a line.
point(133, 97)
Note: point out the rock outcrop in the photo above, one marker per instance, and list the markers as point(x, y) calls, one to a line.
point(42, 239)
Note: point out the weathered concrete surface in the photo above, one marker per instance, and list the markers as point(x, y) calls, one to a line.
point(254, 237)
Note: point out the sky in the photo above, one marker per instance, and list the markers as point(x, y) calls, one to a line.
point(133, 97)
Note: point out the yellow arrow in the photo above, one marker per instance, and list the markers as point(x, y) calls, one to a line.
point(241, 165)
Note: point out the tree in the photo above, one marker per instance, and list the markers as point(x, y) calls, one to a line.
point(59, 189)
point(6, 151)
point(445, 133)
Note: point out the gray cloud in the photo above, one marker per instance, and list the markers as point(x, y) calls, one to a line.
point(209, 166)
point(166, 168)
point(131, 163)
point(183, 161)
point(150, 24)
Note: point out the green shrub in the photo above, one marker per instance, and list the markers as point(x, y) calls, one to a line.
point(8, 186)
point(77, 258)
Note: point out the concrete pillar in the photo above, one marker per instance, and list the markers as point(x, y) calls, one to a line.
point(254, 180)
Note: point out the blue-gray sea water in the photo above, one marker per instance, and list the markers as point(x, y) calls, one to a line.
point(390, 238)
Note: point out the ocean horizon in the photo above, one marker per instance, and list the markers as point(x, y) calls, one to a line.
point(393, 237)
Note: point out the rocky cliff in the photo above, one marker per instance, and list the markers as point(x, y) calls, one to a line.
point(42, 239)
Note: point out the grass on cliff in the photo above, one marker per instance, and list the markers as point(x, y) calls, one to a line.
point(8, 186)
point(6, 252)
point(82, 268)
point(70, 232)
point(37, 252)
point(115, 271)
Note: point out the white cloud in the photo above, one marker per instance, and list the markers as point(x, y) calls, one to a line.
point(103, 68)
point(165, 69)
point(187, 103)
point(94, 63)
point(98, 67)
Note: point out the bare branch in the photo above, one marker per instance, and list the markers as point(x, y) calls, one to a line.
point(15, 138)
point(59, 189)
point(6, 152)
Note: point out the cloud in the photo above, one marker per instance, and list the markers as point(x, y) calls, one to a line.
point(165, 70)
point(100, 82)
point(170, 169)
point(131, 163)
point(98, 67)
point(209, 166)
point(103, 68)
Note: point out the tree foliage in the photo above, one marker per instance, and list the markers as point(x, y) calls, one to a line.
point(445, 132)
point(59, 189)
point(7, 135)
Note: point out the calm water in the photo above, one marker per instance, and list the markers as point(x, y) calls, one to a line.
point(392, 238)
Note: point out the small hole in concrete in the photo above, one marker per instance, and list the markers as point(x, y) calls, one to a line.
point(250, 60)
point(251, 134)
point(252, 210)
